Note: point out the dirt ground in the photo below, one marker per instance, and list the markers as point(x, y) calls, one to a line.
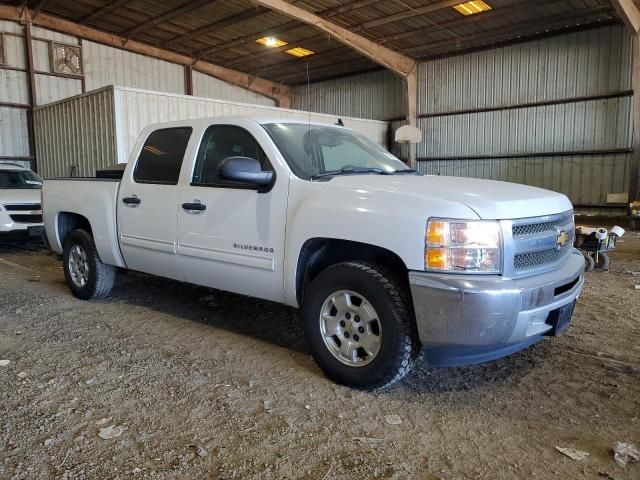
point(210, 385)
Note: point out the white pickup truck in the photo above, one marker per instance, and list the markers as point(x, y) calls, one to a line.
point(384, 262)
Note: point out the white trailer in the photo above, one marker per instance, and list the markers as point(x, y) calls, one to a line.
point(80, 134)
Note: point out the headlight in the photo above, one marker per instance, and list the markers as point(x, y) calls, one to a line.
point(462, 246)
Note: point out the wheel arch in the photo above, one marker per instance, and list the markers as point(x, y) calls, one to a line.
point(67, 222)
point(319, 253)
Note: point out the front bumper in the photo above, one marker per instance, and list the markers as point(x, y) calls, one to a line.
point(465, 319)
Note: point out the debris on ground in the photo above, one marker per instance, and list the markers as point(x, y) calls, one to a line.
point(102, 421)
point(4, 363)
point(637, 287)
point(202, 452)
point(267, 406)
point(368, 440)
point(620, 367)
point(22, 375)
point(624, 453)
point(393, 419)
point(572, 453)
point(110, 432)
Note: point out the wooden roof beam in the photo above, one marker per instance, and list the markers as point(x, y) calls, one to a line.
point(279, 92)
point(629, 12)
point(165, 17)
point(394, 61)
point(249, 14)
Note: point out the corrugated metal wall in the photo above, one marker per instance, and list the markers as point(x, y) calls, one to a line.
point(378, 95)
point(76, 136)
point(111, 66)
point(585, 64)
point(208, 86)
point(79, 134)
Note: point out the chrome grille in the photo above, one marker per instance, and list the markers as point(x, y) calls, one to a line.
point(535, 242)
point(532, 228)
point(527, 261)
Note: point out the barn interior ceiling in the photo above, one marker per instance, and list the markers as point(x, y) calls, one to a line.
point(241, 35)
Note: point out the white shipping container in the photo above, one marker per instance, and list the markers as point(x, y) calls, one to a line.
point(80, 134)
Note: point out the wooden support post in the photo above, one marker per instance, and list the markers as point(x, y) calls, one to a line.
point(634, 167)
point(188, 80)
point(411, 83)
point(31, 79)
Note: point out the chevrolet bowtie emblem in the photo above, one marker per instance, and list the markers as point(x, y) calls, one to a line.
point(562, 238)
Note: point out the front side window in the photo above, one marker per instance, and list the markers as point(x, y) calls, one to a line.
point(220, 142)
point(19, 179)
point(318, 150)
point(161, 157)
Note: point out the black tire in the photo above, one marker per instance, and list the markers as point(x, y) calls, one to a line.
point(589, 262)
point(101, 277)
point(399, 345)
point(603, 261)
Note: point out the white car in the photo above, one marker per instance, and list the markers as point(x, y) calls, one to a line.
point(382, 260)
point(20, 204)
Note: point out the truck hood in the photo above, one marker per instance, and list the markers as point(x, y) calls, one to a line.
point(489, 199)
point(19, 195)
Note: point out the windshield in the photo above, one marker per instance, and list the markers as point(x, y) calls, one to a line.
point(314, 151)
point(25, 179)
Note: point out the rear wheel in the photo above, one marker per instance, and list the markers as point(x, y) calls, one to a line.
point(359, 324)
point(86, 275)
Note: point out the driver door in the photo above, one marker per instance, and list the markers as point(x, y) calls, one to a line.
point(234, 240)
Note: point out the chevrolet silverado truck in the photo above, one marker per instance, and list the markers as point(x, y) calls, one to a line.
point(20, 211)
point(386, 264)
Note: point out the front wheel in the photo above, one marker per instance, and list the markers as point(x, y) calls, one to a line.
point(359, 324)
point(86, 275)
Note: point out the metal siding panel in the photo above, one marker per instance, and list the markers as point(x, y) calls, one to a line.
point(76, 132)
point(14, 51)
point(10, 27)
point(105, 65)
point(211, 87)
point(13, 87)
point(47, 34)
point(41, 56)
point(51, 89)
point(379, 95)
point(583, 63)
point(14, 138)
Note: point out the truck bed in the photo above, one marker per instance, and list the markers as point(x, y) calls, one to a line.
point(94, 199)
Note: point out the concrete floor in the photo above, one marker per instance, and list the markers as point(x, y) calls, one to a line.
point(207, 384)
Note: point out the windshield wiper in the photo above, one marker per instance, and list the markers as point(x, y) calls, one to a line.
point(406, 170)
point(348, 171)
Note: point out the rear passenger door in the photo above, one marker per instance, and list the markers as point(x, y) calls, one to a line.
point(148, 204)
point(235, 242)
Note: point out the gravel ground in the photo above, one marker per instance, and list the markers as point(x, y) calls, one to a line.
point(209, 385)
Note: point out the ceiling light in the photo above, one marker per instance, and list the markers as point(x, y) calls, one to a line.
point(473, 7)
point(299, 52)
point(271, 42)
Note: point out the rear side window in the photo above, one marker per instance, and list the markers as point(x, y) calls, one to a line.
point(161, 156)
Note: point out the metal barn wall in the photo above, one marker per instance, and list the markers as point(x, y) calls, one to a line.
point(106, 65)
point(80, 134)
point(14, 97)
point(208, 86)
point(379, 95)
point(555, 113)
